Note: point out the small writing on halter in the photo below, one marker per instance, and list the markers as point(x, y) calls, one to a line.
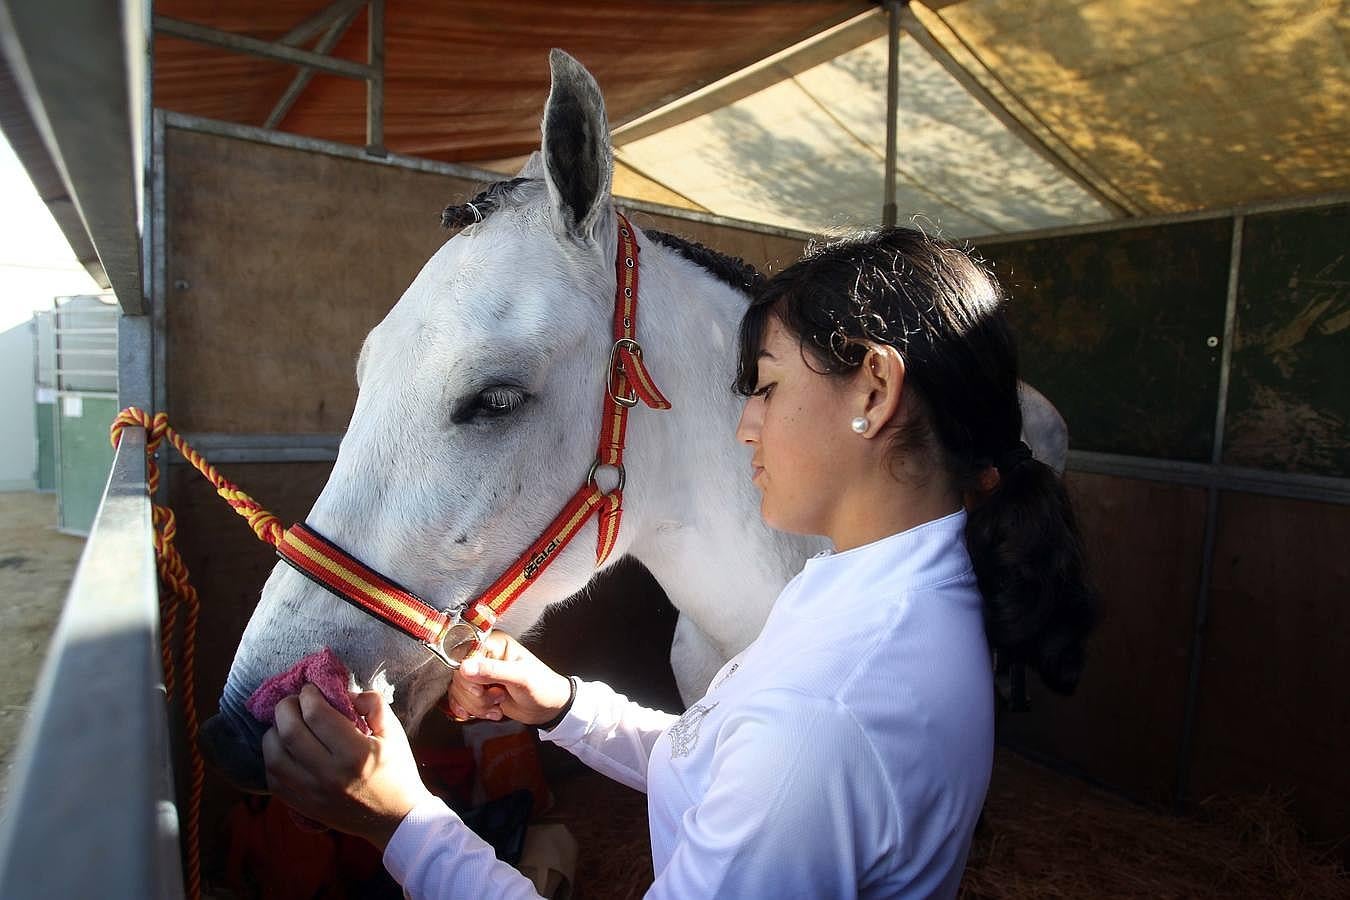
point(540, 558)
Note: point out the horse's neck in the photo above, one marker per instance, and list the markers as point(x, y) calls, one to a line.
point(698, 527)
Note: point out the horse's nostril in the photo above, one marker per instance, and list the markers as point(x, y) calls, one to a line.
point(236, 755)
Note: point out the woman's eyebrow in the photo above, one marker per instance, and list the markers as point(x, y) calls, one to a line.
point(765, 354)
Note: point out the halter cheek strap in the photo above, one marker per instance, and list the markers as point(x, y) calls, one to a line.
point(451, 637)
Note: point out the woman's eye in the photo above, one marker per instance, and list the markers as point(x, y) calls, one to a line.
point(763, 391)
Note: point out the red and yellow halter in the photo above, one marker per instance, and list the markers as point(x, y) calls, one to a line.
point(452, 636)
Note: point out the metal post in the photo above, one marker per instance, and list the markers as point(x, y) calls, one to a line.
point(265, 49)
point(375, 83)
point(1212, 497)
point(893, 7)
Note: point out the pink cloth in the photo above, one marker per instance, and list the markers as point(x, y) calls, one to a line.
point(323, 670)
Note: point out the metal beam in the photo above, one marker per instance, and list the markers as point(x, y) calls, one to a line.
point(1201, 621)
point(1319, 488)
point(893, 7)
point(91, 813)
point(306, 75)
point(1312, 201)
point(77, 65)
point(315, 25)
point(796, 59)
point(375, 85)
point(910, 22)
point(265, 49)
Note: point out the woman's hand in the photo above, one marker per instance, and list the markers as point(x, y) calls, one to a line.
point(505, 679)
point(321, 766)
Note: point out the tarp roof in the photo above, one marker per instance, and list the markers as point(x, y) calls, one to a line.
point(1013, 114)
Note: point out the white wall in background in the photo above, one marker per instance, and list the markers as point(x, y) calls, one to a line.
point(18, 426)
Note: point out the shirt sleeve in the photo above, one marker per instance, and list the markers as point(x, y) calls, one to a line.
point(797, 805)
point(610, 733)
point(434, 855)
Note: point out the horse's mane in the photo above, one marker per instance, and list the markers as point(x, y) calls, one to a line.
point(730, 270)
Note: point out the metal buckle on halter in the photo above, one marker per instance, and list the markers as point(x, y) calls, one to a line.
point(631, 399)
point(458, 642)
point(595, 467)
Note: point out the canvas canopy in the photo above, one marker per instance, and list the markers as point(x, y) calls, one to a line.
point(1012, 115)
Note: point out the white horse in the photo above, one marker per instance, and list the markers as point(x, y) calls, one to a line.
point(476, 419)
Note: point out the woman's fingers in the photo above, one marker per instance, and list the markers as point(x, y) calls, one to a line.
point(465, 703)
point(478, 670)
point(370, 705)
point(331, 728)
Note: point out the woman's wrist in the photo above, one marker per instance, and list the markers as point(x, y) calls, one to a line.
point(564, 709)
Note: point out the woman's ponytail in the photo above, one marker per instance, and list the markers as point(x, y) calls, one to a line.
point(1028, 557)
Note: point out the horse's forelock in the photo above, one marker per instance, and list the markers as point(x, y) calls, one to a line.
point(492, 198)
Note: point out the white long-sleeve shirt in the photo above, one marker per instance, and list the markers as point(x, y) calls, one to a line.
point(845, 753)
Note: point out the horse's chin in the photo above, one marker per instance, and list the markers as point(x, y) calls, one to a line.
point(235, 756)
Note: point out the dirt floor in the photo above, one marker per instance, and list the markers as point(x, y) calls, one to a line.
point(1042, 835)
point(36, 565)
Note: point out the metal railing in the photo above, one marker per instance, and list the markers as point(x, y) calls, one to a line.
point(91, 810)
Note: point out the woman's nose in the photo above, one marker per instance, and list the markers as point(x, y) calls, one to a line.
point(747, 430)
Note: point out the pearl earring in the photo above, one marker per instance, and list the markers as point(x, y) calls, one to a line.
point(860, 425)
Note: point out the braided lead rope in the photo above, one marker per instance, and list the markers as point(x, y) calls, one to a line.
point(176, 591)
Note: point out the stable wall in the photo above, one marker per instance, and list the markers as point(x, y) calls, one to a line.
point(1218, 666)
point(1202, 366)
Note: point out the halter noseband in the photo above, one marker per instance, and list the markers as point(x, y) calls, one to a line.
point(452, 636)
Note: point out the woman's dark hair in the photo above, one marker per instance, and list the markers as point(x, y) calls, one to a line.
point(942, 310)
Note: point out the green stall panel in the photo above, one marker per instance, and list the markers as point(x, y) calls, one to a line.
point(84, 457)
point(46, 446)
point(1289, 395)
point(1122, 331)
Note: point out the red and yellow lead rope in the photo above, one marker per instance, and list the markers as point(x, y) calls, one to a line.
point(177, 591)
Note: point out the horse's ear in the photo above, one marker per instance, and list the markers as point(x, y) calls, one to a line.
point(1043, 428)
point(578, 161)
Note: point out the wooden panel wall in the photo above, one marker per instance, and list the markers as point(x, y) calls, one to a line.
point(1274, 710)
point(279, 262)
point(1123, 725)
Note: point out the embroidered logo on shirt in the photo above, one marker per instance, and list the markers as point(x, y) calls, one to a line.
point(723, 680)
point(684, 733)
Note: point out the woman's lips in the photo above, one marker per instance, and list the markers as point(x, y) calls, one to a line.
point(755, 471)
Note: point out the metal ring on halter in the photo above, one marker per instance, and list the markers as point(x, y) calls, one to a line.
point(631, 399)
point(595, 466)
point(457, 643)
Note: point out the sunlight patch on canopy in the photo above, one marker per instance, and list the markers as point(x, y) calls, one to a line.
point(808, 153)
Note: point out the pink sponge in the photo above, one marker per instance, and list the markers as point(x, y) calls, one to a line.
point(323, 670)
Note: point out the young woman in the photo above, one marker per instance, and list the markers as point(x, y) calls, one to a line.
point(847, 751)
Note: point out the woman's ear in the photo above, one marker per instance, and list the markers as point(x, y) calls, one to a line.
point(882, 384)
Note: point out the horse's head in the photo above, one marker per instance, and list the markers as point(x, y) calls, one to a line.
point(476, 419)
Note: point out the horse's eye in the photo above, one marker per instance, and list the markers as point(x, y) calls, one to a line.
point(489, 403)
point(498, 401)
